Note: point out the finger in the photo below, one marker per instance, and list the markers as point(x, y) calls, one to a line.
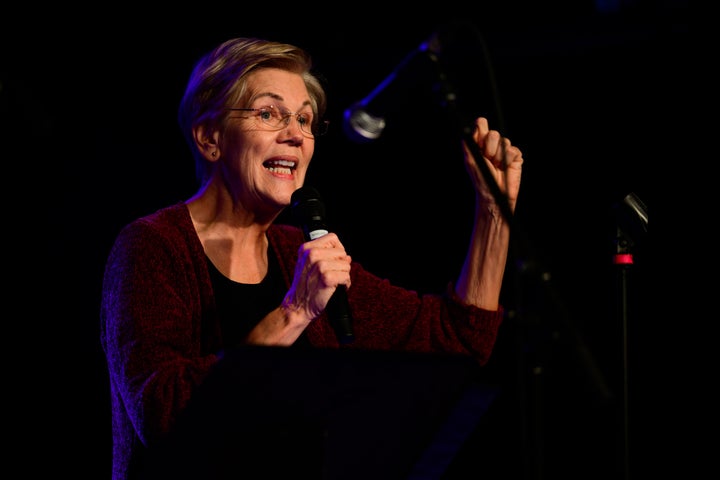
point(512, 156)
point(493, 147)
point(481, 130)
point(329, 240)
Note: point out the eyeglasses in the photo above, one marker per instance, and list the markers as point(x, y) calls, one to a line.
point(276, 118)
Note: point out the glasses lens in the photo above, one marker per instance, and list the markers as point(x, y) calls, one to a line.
point(305, 122)
point(272, 116)
point(276, 117)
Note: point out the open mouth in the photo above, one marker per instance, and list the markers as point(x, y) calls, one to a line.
point(285, 167)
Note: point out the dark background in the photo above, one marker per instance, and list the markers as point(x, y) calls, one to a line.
point(590, 91)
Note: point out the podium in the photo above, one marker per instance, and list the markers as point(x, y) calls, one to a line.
point(276, 412)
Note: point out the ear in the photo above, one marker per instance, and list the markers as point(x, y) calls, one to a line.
point(207, 142)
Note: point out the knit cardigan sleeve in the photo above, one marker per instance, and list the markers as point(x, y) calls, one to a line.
point(389, 317)
point(158, 327)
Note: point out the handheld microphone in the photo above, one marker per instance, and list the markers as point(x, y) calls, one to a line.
point(308, 210)
point(364, 121)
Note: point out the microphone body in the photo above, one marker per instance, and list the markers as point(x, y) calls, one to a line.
point(309, 213)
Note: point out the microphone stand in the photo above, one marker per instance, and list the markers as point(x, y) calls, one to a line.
point(623, 259)
point(631, 224)
point(532, 434)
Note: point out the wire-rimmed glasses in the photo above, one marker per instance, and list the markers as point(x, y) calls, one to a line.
point(275, 118)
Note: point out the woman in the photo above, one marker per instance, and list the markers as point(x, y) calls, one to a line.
point(195, 279)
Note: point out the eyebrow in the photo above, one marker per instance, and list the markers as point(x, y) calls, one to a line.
point(277, 97)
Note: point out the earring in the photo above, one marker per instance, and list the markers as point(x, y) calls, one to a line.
point(213, 154)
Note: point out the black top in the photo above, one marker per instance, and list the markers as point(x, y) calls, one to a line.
point(242, 305)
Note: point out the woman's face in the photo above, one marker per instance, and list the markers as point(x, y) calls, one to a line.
point(267, 146)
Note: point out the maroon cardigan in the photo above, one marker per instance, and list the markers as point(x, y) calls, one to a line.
point(161, 335)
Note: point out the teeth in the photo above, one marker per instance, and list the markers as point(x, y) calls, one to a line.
point(285, 163)
point(284, 167)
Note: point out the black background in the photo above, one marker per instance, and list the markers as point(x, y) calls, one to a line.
point(590, 91)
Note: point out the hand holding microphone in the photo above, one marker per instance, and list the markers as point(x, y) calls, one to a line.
point(309, 213)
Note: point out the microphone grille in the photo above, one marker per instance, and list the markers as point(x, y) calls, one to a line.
point(307, 205)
